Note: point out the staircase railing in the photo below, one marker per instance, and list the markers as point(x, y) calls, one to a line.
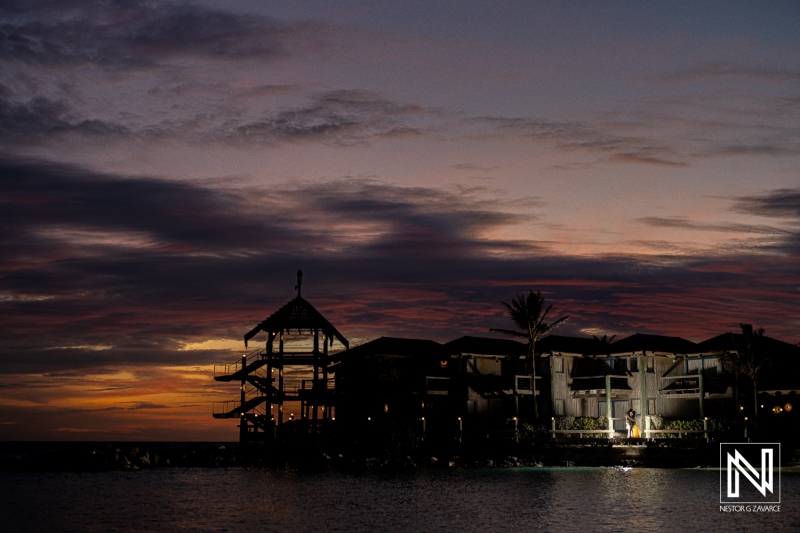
point(231, 368)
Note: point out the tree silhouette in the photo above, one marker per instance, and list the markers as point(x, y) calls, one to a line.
point(527, 315)
point(605, 340)
point(748, 357)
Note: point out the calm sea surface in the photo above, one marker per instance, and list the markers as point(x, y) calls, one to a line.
point(498, 499)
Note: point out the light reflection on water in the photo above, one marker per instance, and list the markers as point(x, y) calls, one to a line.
point(542, 499)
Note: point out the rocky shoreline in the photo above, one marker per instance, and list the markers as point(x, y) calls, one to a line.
point(93, 457)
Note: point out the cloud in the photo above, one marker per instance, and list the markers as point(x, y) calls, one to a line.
point(140, 34)
point(39, 117)
point(685, 223)
point(336, 117)
point(726, 70)
point(142, 266)
point(147, 405)
point(81, 430)
point(784, 203)
point(647, 160)
point(576, 135)
point(471, 166)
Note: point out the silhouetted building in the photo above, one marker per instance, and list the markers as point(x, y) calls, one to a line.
point(293, 366)
point(490, 384)
point(392, 379)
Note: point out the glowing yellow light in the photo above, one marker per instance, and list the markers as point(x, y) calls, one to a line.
point(787, 407)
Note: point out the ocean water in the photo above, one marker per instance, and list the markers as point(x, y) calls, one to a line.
point(492, 499)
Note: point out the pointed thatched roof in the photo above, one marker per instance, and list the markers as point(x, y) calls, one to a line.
point(297, 315)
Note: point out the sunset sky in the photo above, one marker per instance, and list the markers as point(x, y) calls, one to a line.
point(167, 167)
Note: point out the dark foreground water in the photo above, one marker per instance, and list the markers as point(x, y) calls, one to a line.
point(244, 500)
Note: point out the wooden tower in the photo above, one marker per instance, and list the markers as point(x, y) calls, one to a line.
point(263, 373)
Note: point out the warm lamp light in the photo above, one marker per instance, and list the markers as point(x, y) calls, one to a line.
point(787, 407)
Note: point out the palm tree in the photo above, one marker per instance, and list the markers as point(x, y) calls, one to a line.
point(748, 357)
point(605, 340)
point(526, 314)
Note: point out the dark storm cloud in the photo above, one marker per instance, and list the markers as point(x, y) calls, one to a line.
point(98, 270)
point(136, 34)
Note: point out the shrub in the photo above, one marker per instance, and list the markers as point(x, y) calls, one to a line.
point(582, 422)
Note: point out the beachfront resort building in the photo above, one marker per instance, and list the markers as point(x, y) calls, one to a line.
point(480, 384)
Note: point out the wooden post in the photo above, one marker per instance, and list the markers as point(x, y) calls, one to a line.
point(280, 377)
point(270, 338)
point(609, 407)
point(645, 407)
point(516, 395)
point(701, 394)
point(647, 427)
point(315, 383)
point(326, 413)
point(242, 420)
point(552, 385)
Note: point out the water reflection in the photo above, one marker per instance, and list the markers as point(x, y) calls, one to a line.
point(546, 499)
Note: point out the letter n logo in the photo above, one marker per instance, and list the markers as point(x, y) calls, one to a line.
point(756, 463)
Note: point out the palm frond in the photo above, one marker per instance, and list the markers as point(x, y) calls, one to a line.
point(510, 332)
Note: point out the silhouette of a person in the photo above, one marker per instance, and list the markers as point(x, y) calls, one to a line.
point(630, 421)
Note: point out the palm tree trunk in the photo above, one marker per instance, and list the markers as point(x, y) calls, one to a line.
point(533, 381)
